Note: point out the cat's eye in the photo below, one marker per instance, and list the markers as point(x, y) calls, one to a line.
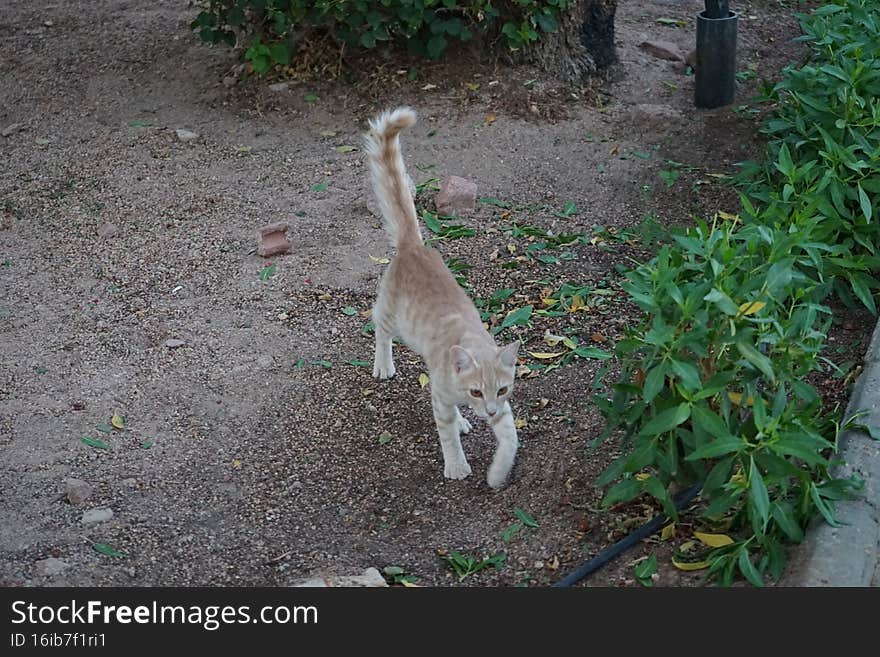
point(476, 393)
point(502, 391)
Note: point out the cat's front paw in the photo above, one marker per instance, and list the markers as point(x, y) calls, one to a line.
point(456, 470)
point(463, 425)
point(381, 371)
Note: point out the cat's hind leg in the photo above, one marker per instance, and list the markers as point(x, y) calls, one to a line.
point(383, 363)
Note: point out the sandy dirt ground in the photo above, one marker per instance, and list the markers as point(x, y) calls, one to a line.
point(252, 453)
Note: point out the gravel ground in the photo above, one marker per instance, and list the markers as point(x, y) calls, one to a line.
point(244, 460)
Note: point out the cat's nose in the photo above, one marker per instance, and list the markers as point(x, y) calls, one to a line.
point(492, 411)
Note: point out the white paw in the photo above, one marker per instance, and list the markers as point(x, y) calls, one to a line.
point(382, 371)
point(457, 470)
point(496, 479)
point(463, 425)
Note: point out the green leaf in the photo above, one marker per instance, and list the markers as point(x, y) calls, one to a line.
point(710, 422)
point(280, 53)
point(432, 222)
point(357, 363)
point(526, 519)
point(689, 375)
point(267, 272)
point(783, 514)
point(323, 363)
point(108, 550)
point(865, 203)
point(757, 359)
point(644, 570)
point(758, 493)
point(666, 420)
point(669, 176)
point(747, 568)
point(862, 290)
point(310, 98)
point(94, 442)
point(622, 492)
point(823, 506)
point(349, 310)
point(436, 46)
point(511, 531)
point(320, 187)
point(654, 381)
point(723, 302)
point(717, 448)
point(547, 22)
point(517, 317)
point(593, 352)
point(104, 428)
point(385, 438)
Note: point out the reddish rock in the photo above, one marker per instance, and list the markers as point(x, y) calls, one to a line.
point(662, 50)
point(456, 195)
point(272, 240)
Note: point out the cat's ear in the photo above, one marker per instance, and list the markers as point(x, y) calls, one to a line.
point(461, 359)
point(507, 355)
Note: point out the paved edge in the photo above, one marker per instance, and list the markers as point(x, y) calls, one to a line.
point(848, 555)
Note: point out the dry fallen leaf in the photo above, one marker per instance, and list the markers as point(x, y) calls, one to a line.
point(381, 261)
point(544, 355)
point(423, 380)
point(325, 297)
point(519, 423)
point(667, 532)
point(236, 463)
point(511, 248)
point(117, 421)
point(598, 337)
point(713, 540)
point(491, 118)
point(328, 133)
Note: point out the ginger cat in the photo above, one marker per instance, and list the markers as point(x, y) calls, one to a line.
point(420, 302)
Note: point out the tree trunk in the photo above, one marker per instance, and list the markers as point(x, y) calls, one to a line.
point(583, 46)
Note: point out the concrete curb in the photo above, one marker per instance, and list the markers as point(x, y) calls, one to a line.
point(850, 555)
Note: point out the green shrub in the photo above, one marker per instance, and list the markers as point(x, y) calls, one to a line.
point(828, 121)
point(274, 28)
point(714, 383)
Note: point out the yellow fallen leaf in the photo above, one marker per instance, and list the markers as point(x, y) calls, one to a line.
point(727, 216)
point(345, 149)
point(667, 532)
point(409, 585)
point(543, 355)
point(511, 248)
point(381, 261)
point(614, 151)
point(735, 398)
point(423, 379)
point(542, 402)
point(473, 86)
point(328, 133)
point(642, 476)
point(236, 463)
point(550, 338)
point(548, 301)
point(117, 421)
point(325, 297)
point(519, 423)
point(717, 175)
point(522, 370)
point(691, 565)
point(750, 308)
point(577, 303)
point(366, 313)
point(713, 540)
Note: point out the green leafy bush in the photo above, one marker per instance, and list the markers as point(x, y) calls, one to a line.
point(273, 28)
point(714, 382)
point(828, 121)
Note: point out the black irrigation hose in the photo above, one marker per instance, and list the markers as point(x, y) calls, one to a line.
point(624, 544)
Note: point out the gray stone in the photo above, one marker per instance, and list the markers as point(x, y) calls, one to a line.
point(456, 195)
point(108, 231)
point(370, 578)
point(173, 343)
point(662, 50)
point(186, 135)
point(51, 566)
point(10, 130)
point(278, 87)
point(77, 490)
point(93, 516)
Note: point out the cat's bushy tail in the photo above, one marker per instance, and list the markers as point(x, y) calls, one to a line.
point(388, 175)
